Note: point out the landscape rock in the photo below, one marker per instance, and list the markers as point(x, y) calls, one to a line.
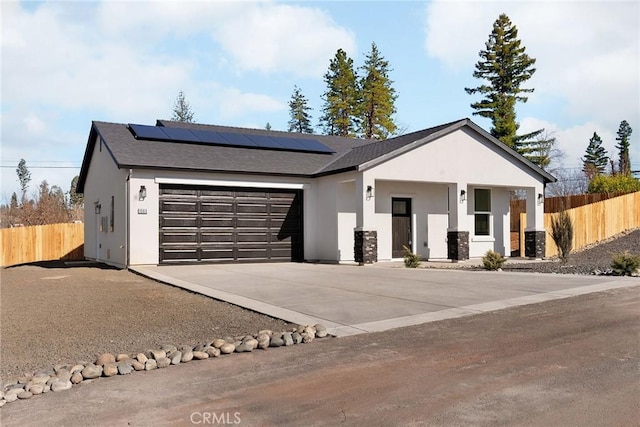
point(76, 378)
point(187, 356)
point(297, 338)
point(199, 347)
point(212, 352)
point(268, 332)
point(60, 385)
point(122, 356)
point(243, 347)
point(321, 330)
point(124, 368)
point(61, 367)
point(63, 375)
point(158, 354)
point(175, 356)
point(91, 371)
point(251, 342)
point(310, 330)
point(163, 362)
point(300, 329)
point(218, 343)
point(24, 379)
point(11, 397)
point(48, 371)
point(40, 379)
point(306, 338)
point(200, 355)
point(141, 357)
point(227, 348)
point(276, 340)
point(168, 348)
point(288, 340)
point(25, 395)
point(76, 368)
point(263, 340)
point(110, 369)
point(37, 389)
point(150, 365)
point(105, 358)
point(138, 366)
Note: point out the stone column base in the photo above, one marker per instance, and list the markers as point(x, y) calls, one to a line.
point(534, 244)
point(366, 246)
point(458, 245)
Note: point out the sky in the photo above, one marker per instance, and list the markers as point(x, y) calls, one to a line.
point(64, 64)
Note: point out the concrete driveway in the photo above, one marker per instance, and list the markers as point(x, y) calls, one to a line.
point(350, 300)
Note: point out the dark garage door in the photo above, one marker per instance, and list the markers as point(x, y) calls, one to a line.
point(206, 224)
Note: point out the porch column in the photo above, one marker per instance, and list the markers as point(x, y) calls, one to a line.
point(534, 232)
point(458, 231)
point(365, 235)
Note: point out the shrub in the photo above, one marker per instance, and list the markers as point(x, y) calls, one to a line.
point(625, 264)
point(493, 260)
point(411, 260)
point(562, 233)
point(613, 184)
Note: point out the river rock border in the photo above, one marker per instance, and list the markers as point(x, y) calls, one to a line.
point(65, 376)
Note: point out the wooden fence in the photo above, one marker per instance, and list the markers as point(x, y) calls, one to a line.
point(41, 243)
point(593, 222)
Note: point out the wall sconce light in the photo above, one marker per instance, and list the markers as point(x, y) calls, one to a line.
point(463, 196)
point(369, 192)
point(142, 194)
point(540, 198)
point(98, 207)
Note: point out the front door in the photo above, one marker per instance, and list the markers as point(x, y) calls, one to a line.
point(400, 226)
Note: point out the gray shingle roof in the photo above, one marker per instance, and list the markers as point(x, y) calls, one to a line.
point(350, 153)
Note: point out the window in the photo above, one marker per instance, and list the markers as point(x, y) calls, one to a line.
point(482, 211)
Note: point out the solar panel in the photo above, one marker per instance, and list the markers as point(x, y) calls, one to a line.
point(237, 139)
point(265, 141)
point(147, 132)
point(231, 139)
point(180, 134)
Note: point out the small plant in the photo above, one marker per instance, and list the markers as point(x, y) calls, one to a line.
point(411, 260)
point(493, 260)
point(625, 264)
point(562, 233)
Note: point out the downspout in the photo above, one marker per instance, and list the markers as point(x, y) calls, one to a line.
point(127, 186)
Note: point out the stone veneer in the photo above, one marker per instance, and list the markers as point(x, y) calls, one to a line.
point(457, 245)
point(366, 246)
point(534, 244)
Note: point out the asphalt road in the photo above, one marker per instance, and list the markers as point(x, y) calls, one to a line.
point(565, 362)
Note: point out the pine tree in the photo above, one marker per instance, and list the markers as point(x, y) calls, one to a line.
point(624, 162)
point(377, 98)
point(24, 176)
point(300, 120)
point(540, 151)
point(505, 67)
point(182, 110)
point(340, 109)
point(595, 159)
point(267, 126)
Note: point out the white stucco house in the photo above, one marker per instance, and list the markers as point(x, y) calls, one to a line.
point(180, 192)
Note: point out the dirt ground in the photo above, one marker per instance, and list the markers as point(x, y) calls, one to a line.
point(50, 315)
point(569, 362)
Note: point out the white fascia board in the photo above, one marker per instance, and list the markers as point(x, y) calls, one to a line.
point(229, 183)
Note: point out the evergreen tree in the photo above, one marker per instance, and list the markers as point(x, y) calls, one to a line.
point(299, 118)
point(340, 109)
point(624, 162)
point(75, 199)
point(377, 98)
point(595, 159)
point(267, 126)
point(540, 150)
point(24, 176)
point(14, 201)
point(505, 67)
point(182, 110)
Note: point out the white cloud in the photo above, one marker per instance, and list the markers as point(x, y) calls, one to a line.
point(588, 59)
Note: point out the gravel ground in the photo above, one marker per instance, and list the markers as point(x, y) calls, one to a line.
point(50, 314)
point(585, 261)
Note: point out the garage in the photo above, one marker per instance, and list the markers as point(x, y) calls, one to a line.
point(229, 224)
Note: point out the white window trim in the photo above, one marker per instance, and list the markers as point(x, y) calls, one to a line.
point(481, 237)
